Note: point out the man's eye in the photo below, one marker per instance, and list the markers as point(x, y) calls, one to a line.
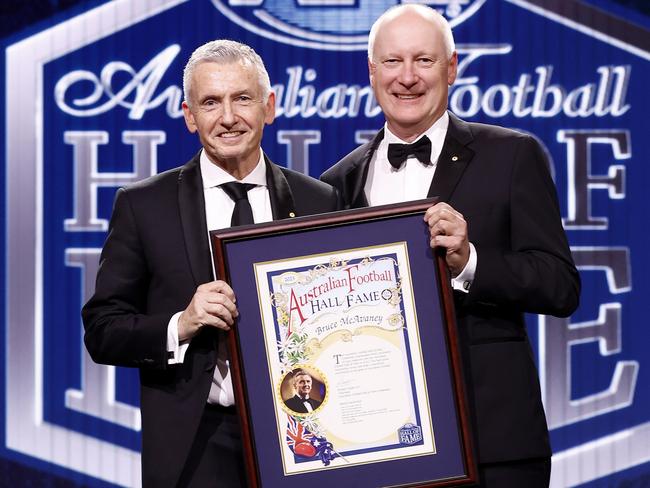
point(243, 100)
point(425, 61)
point(391, 62)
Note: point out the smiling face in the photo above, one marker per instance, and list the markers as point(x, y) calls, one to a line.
point(228, 111)
point(302, 384)
point(410, 73)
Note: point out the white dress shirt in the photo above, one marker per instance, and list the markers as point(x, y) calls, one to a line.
point(412, 181)
point(218, 212)
point(305, 402)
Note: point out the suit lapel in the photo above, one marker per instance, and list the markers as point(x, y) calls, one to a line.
point(192, 210)
point(282, 204)
point(356, 179)
point(454, 158)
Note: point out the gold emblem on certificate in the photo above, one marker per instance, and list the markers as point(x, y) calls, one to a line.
point(344, 356)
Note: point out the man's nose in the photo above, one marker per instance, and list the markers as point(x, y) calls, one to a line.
point(407, 74)
point(228, 116)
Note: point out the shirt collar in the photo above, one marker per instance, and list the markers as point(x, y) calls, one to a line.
point(213, 175)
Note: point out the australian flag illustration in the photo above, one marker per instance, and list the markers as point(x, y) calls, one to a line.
point(307, 446)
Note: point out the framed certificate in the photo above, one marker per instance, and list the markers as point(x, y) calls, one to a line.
point(344, 356)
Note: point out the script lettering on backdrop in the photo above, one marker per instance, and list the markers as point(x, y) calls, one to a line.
point(533, 95)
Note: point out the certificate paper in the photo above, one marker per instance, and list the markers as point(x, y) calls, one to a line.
point(346, 322)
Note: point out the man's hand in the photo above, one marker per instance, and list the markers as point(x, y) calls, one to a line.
point(448, 229)
point(213, 305)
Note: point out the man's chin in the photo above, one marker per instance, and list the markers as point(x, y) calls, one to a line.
point(230, 155)
point(404, 127)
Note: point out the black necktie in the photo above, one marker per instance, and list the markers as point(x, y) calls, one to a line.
point(242, 214)
point(398, 153)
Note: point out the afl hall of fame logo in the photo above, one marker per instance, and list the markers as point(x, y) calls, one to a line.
point(336, 25)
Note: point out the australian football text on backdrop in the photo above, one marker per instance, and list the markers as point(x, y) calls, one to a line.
point(533, 95)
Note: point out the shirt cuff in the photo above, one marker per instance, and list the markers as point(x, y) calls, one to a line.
point(463, 281)
point(175, 350)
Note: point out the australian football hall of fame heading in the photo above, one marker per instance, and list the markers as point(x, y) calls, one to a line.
point(107, 115)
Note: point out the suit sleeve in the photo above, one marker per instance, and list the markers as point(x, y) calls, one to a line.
point(118, 330)
point(535, 273)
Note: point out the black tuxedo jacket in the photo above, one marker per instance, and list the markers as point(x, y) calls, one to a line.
point(499, 180)
point(156, 254)
point(296, 404)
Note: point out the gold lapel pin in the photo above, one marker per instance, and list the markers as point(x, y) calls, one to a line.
point(291, 214)
point(454, 158)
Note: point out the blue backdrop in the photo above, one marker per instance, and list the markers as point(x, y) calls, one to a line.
point(92, 102)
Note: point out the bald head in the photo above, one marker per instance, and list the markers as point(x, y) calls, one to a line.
point(438, 23)
point(411, 64)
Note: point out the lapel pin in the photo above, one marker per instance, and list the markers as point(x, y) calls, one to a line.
point(291, 214)
point(454, 158)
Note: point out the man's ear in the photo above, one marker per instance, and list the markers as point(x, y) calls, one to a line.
point(452, 70)
point(270, 109)
point(189, 117)
point(372, 67)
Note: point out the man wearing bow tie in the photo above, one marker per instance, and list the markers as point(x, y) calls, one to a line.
point(158, 305)
point(302, 386)
point(497, 218)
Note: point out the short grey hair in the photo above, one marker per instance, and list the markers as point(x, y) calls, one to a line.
point(299, 372)
point(225, 51)
point(422, 10)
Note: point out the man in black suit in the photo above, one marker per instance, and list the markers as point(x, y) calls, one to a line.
point(157, 305)
point(301, 402)
point(498, 219)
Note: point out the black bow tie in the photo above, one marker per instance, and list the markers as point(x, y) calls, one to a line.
point(398, 153)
